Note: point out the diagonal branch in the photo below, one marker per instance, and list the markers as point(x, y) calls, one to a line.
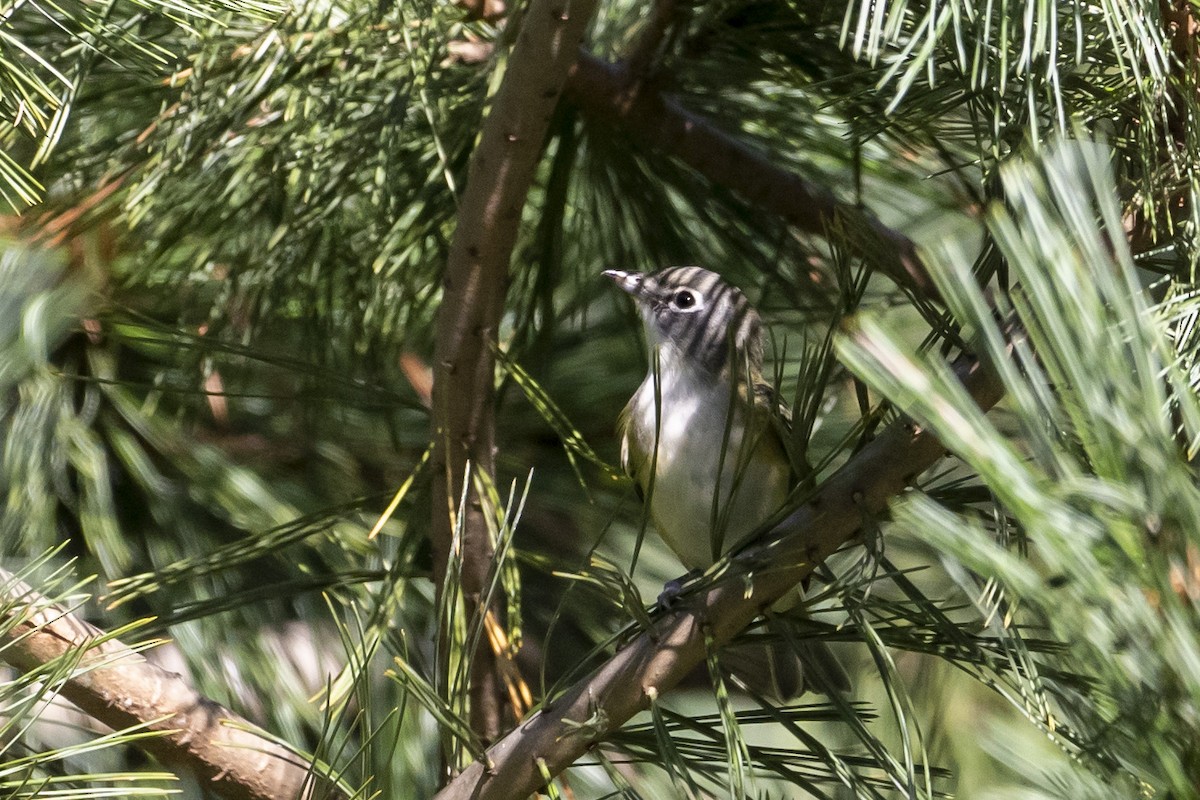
point(555, 737)
point(120, 688)
point(611, 93)
point(473, 288)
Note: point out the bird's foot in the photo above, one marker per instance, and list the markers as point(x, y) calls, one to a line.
point(673, 588)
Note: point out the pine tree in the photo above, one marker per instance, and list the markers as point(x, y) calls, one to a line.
point(308, 387)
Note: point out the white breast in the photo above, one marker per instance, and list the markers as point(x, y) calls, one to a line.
point(750, 482)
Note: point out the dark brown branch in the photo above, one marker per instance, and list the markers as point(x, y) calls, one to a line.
point(657, 660)
point(120, 688)
point(610, 93)
point(474, 284)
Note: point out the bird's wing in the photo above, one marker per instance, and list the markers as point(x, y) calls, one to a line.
point(768, 403)
point(632, 456)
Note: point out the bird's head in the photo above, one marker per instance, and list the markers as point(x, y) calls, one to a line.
point(691, 313)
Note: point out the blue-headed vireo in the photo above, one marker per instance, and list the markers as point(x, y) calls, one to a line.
point(702, 439)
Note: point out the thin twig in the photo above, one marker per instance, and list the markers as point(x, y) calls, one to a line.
point(658, 659)
point(121, 689)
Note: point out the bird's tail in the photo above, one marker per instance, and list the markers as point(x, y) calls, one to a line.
point(787, 666)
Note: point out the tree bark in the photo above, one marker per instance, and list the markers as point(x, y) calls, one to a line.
point(658, 659)
point(120, 688)
point(476, 277)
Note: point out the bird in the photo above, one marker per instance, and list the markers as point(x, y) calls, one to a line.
point(703, 439)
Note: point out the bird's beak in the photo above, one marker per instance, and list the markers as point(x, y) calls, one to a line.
point(630, 282)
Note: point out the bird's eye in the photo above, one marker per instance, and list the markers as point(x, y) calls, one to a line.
point(684, 299)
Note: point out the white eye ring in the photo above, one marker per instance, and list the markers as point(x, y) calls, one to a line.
point(686, 300)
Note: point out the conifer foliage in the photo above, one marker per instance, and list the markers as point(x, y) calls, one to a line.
point(309, 385)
